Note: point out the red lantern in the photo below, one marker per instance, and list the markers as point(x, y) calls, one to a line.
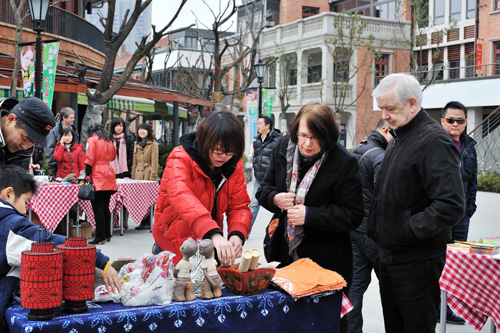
point(79, 274)
point(41, 280)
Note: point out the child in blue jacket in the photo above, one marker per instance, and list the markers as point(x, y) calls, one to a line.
point(17, 233)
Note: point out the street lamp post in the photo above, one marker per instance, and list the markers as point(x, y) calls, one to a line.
point(260, 72)
point(38, 10)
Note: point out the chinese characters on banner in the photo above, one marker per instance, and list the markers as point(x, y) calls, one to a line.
point(267, 102)
point(50, 52)
point(49, 61)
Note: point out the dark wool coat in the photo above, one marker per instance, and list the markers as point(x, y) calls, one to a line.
point(334, 208)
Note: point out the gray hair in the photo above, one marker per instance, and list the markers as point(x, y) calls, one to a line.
point(405, 86)
point(66, 111)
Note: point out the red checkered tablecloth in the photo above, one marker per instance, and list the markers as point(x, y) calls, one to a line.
point(52, 202)
point(137, 196)
point(472, 282)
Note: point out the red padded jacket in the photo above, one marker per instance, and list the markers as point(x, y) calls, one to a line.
point(186, 200)
point(98, 155)
point(69, 161)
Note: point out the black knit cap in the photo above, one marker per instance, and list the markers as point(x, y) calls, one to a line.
point(38, 118)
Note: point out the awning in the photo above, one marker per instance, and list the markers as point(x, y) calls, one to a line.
point(5, 92)
point(167, 109)
point(124, 103)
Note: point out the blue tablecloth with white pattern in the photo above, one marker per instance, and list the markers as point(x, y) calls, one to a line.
point(270, 311)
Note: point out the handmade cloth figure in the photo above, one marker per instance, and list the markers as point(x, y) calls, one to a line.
point(210, 286)
point(183, 287)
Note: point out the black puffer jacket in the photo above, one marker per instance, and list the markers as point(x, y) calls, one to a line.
point(368, 169)
point(262, 152)
point(419, 194)
point(468, 169)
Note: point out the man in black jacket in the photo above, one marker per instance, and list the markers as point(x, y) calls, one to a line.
point(454, 121)
point(263, 144)
point(370, 154)
point(417, 199)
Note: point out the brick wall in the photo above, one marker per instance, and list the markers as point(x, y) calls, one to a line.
point(291, 10)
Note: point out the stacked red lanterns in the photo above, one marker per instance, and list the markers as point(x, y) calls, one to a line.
point(41, 280)
point(79, 274)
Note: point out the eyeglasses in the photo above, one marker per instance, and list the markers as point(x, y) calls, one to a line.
point(305, 137)
point(221, 152)
point(452, 120)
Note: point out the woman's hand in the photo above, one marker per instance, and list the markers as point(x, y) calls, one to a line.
point(284, 200)
point(225, 250)
point(237, 245)
point(297, 215)
point(112, 280)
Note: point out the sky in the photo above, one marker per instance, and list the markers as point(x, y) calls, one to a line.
point(163, 11)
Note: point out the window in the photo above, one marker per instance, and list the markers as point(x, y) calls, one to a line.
point(455, 10)
point(438, 71)
point(341, 71)
point(309, 11)
point(191, 43)
point(381, 68)
point(471, 9)
point(313, 73)
point(439, 12)
point(497, 4)
point(496, 50)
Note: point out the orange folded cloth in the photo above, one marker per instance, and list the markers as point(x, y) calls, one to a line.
point(305, 277)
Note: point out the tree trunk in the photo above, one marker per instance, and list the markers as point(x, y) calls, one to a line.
point(93, 114)
point(18, 40)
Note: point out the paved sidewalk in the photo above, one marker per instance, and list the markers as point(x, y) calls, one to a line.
point(484, 223)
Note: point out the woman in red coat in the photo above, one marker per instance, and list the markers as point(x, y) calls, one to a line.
point(99, 153)
point(69, 155)
point(204, 179)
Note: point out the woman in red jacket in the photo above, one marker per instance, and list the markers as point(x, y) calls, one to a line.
point(99, 153)
point(204, 179)
point(69, 155)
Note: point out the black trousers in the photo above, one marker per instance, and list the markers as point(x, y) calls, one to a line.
point(410, 295)
point(100, 206)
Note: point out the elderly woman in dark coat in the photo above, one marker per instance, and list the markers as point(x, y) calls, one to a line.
point(313, 188)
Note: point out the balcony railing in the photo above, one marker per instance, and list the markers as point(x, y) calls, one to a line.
point(459, 73)
point(60, 22)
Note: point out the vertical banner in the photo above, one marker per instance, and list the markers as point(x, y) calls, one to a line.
point(49, 61)
point(28, 69)
point(267, 102)
point(252, 97)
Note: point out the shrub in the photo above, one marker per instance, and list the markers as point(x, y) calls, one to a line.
point(163, 152)
point(244, 159)
point(488, 181)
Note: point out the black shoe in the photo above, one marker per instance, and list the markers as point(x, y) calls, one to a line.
point(454, 319)
point(98, 241)
point(142, 227)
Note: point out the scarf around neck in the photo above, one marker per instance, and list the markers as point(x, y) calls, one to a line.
point(120, 163)
point(295, 235)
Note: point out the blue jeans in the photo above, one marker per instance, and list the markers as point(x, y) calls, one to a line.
point(254, 205)
point(364, 259)
point(460, 231)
